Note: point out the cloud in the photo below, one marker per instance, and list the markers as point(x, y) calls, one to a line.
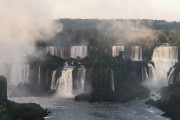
point(25, 21)
point(22, 23)
point(126, 31)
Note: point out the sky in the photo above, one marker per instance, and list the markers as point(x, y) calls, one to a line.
point(138, 9)
point(103, 9)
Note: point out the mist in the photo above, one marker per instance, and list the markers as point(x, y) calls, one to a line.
point(127, 31)
point(22, 23)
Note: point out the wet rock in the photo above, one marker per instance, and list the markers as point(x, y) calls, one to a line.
point(3, 89)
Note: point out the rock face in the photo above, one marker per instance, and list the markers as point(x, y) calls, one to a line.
point(3, 89)
point(169, 102)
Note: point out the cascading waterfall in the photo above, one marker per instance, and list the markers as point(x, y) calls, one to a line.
point(57, 51)
point(112, 81)
point(116, 49)
point(39, 75)
point(26, 73)
point(80, 80)
point(61, 51)
point(65, 87)
point(164, 57)
point(19, 73)
point(151, 71)
point(53, 81)
point(79, 51)
point(16, 74)
point(178, 77)
point(171, 75)
point(3, 70)
point(136, 53)
point(47, 76)
point(144, 73)
point(29, 51)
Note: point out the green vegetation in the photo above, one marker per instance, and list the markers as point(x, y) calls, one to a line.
point(13, 111)
point(127, 78)
point(3, 113)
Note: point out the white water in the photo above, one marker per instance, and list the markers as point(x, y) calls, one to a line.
point(164, 57)
point(57, 51)
point(116, 49)
point(75, 51)
point(178, 77)
point(47, 76)
point(29, 51)
point(171, 75)
point(81, 80)
point(144, 73)
point(79, 51)
point(53, 81)
point(19, 73)
point(65, 87)
point(112, 81)
point(136, 53)
point(39, 75)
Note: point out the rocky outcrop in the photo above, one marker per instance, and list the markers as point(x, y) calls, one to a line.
point(3, 89)
point(169, 102)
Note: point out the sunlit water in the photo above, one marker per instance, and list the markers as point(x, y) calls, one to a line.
point(68, 109)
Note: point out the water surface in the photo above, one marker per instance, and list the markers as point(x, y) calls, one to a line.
point(68, 109)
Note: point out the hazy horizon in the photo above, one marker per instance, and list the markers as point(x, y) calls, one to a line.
point(95, 9)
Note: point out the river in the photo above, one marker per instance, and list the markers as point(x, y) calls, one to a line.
point(68, 109)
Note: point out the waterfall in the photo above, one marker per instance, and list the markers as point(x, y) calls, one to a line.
point(136, 53)
point(65, 87)
point(144, 73)
point(151, 71)
point(16, 74)
point(57, 51)
point(29, 51)
point(112, 81)
point(47, 76)
point(53, 81)
point(116, 49)
point(171, 75)
point(178, 76)
point(80, 80)
point(164, 57)
point(69, 83)
point(61, 51)
point(79, 51)
point(4, 71)
point(26, 73)
point(39, 75)
point(19, 73)
point(51, 50)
